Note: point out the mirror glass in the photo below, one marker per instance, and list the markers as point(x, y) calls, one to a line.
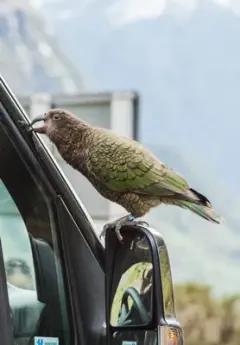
point(166, 277)
point(132, 283)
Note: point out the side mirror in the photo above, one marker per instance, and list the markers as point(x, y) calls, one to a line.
point(139, 290)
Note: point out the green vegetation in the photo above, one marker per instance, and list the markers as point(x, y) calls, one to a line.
point(205, 319)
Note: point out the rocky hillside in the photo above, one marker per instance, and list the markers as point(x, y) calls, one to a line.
point(31, 60)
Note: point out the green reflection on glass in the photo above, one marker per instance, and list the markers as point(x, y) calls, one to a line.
point(133, 277)
point(7, 205)
point(166, 277)
point(14, 235)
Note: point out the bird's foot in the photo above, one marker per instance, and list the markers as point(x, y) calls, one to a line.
point(140, 222)
point(119, 223)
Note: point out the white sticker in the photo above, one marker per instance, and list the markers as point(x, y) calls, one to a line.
point(124, 342)
point(46, 341)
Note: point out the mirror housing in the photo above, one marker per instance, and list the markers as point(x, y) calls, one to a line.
point(139, 289)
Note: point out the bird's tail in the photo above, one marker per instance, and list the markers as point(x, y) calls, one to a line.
point(206, 212)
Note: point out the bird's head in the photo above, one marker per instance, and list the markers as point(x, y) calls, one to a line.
point(55, 121)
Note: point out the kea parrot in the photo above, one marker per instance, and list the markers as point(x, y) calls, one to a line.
point(121, 169)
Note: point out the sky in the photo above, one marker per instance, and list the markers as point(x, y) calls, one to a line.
point(128, 11)
point(122, 12)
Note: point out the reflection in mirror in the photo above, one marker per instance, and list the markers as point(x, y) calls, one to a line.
point(132, 283)
point(166, 277)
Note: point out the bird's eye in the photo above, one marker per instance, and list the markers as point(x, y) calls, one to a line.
point(56, 117)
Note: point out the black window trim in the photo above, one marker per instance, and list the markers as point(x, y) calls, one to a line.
point(33, 152)
point(34, 166)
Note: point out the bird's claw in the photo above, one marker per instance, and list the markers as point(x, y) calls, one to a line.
point(103, 232)
point(140, 222)
point(117, 231)
point(114, 225)
point(119, 223)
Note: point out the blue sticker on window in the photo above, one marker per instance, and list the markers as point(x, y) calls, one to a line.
point(46, 341)
point(124, 342)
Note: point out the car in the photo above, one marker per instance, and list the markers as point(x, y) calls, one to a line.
point(59, 284)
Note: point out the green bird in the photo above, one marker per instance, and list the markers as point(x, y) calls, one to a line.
point(122, 170)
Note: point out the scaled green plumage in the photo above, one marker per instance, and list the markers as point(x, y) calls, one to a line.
point(125, 165)
point(121, 169)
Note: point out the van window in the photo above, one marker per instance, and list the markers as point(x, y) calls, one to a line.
point(31, 253)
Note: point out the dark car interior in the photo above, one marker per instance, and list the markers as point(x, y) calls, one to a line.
point(42, 316)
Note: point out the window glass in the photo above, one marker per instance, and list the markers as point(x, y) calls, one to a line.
point(133, 278)
point(131, 286)
point(166, 277)
point(30, 250)
point(17, 253)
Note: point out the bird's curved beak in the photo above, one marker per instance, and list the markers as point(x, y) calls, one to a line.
point(38, 119)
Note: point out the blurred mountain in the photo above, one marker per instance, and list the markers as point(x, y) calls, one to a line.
point(183, 57)
point(200, 250)
point(184, 61)
point(31, 60)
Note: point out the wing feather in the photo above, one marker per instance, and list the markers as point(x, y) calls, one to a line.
point(124, 165)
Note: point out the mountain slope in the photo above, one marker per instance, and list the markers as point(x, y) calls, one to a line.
point(196, 245)
point(31, 60)
point(185, 64)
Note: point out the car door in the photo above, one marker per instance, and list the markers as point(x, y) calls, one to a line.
point(53, 260)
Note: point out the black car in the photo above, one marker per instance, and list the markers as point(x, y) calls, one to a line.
point(59, 285)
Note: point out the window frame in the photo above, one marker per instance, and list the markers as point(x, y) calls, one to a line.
point(78, 242)
point(36, 155)
point(48, 196)
point(35, 168)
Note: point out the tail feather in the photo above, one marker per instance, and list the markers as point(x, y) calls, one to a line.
point(197, 197)
point(201, 198)
point(205, 212)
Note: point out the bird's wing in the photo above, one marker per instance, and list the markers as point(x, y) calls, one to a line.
point(124, 165)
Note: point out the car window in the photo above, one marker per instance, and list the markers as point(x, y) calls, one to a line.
point(31, 253)
point(17, 253)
